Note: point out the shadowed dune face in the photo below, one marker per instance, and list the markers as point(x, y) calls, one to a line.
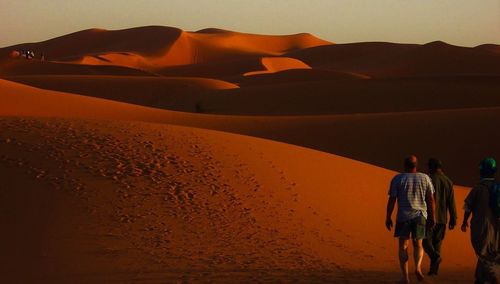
point(142, 197)
point(296, 75)
point(402, 60)
point(105, 195)
point(24, 68)
point(489, 47)
point(153, 48)
point(179, 93)
point(293, 92)
point(380, 139)
point(147, 41)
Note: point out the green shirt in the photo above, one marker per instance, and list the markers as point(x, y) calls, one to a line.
point(444, 197)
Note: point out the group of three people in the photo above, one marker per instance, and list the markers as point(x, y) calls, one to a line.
point(424, 203)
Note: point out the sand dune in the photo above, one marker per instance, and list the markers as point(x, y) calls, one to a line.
point(380, 139)
point(15, 67)
point(399, 60)
point(116, 185)
point(152, 48)
point(219, 70)
point(489, 47)
point(277, 64)
point(273, 94)
point(147, 41)
point(291, 96)
point(115, 201)
point(179, 93)
point(296, 75)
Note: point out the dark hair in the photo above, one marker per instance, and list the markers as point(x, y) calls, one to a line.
point(410, 162)
point(434, 164)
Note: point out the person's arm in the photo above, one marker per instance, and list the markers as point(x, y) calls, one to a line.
point(431, 218)
point(452, 209)
point(465, 223)
point(468, 208)
point(390, 208)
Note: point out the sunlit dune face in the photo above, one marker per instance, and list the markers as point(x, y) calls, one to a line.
point(156, 154)
point(277, 64)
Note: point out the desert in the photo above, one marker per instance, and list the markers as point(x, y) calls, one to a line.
point(154, 154)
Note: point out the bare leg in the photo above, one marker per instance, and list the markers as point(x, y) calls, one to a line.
point(403, 259)
point(418, 255)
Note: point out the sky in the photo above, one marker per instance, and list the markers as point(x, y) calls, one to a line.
point(459, 22)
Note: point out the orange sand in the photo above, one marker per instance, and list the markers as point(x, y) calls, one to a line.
point(117, 185)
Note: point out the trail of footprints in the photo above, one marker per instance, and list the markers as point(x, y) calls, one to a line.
point(168, 195)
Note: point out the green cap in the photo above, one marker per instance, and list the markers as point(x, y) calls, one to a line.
point(488, 166)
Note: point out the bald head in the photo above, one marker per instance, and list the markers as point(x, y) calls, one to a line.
point(411, 163)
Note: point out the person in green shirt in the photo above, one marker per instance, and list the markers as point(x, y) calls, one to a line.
point(445, 202)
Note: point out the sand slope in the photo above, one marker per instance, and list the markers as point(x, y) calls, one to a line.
point(179, 93)
point(277, 64)
point(96, 192)
point(127, 200)
point(293, 92)
point(378, 59)
point(296, 75)
point(156, 47)
point(379, 139)
point(16, 67)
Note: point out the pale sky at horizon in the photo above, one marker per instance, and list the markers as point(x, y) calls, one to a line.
point(459, 22)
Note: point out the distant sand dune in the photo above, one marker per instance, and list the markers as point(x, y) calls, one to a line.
point(180, 93)
point(380, 59)
point(15, 67)
point(489, 47)
point(152, 48)
point(380, 139)
point(294, 92)
point(277, 64)
point(296, 75)
point(106, 180)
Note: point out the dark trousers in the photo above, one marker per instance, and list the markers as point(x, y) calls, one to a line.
point(484, 272)
point(432, 244)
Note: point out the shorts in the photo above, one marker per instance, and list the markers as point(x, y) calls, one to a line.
point(414, 228)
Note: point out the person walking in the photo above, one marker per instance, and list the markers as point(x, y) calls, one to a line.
point(444, 197)
point(413, 192)
point(483, 203)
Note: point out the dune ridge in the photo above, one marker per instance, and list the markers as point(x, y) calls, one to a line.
point(156, 155)
point(307, 131)
point(277, 64)
point(379, 59)
point(143, 195)
point(290, 92)
point(155, 47)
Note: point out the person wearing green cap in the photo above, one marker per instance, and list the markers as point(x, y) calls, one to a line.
point(485, 225)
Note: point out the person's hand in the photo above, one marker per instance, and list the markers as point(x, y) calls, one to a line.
point(464, 227)
point(430, 223)
point(388, 223)
point(452, 224)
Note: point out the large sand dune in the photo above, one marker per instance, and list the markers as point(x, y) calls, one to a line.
point(293, 92)
point(114, 184)
point(16, 67)
point(277, 64)
point(179, 93)
point(114, 201)
point(379, 59)
point(155, 47)
point(380, 139)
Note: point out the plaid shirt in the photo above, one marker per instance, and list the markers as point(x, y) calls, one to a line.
point(411, 189)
